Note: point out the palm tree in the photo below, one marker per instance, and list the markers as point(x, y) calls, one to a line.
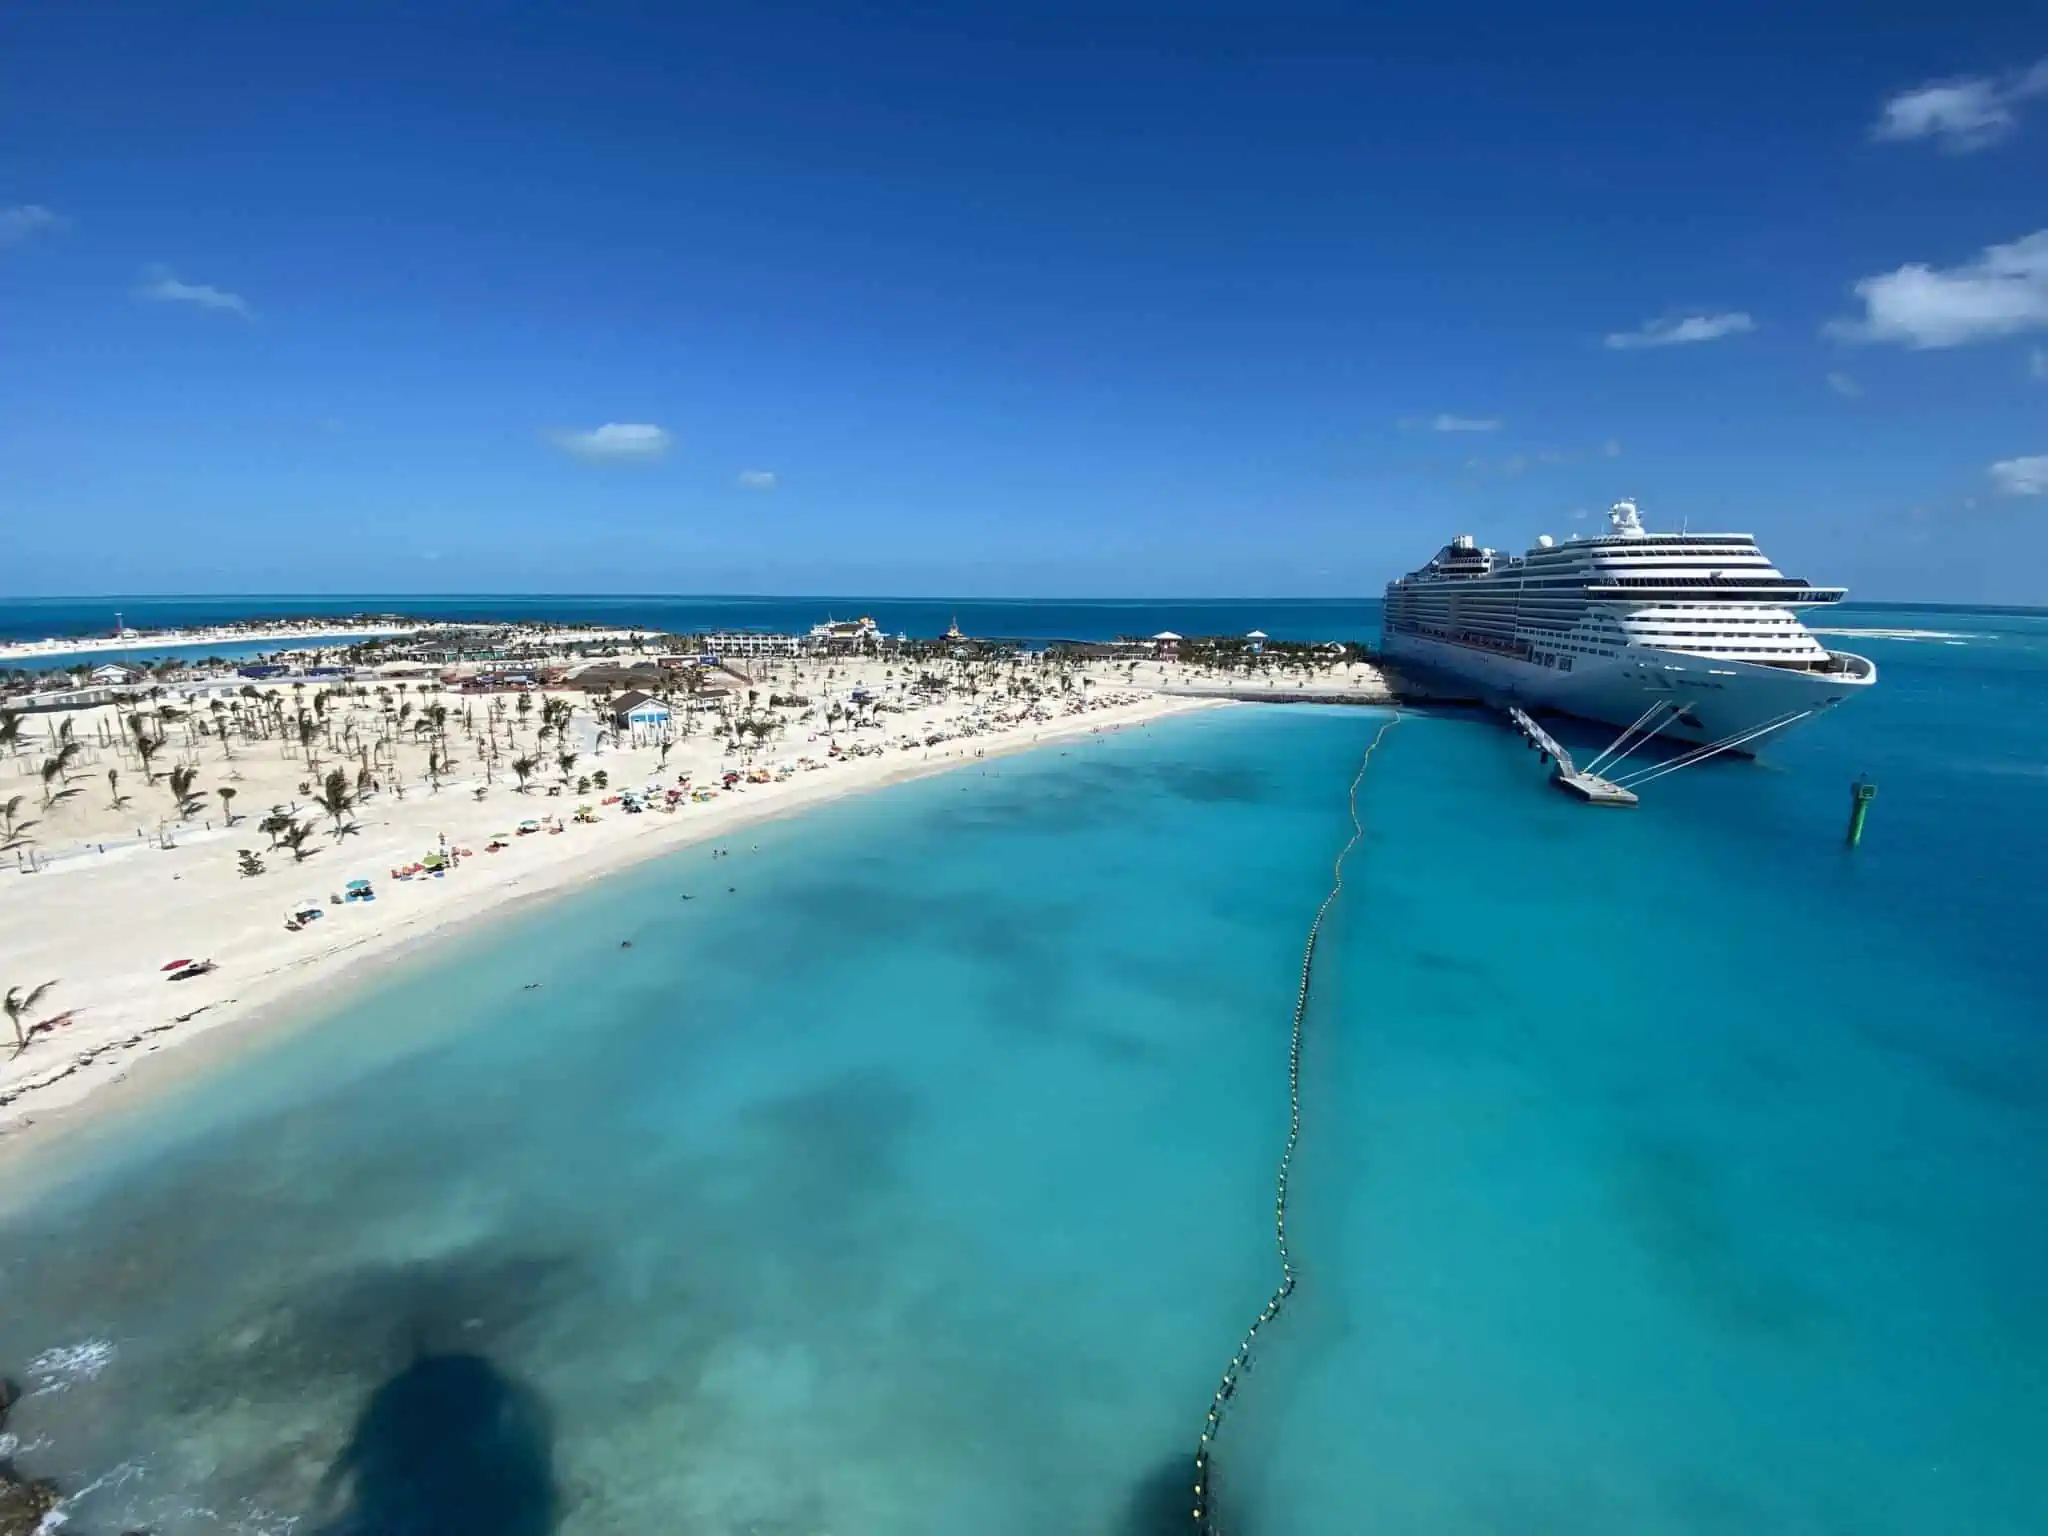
point(13, 830)
point(566, 761)
point(273, 825)
point(434, 768)
point(58, 768)
point(147, 745)
point(181, 780)
point(20, 1005)
point(227, 806)
point(523, 766)
point(10, 729)
point(335, 798)
point(294, 837)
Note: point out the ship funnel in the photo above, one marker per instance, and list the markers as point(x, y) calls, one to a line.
point(1626, 520)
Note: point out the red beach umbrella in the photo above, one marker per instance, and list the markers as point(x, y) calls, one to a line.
point(177, 965)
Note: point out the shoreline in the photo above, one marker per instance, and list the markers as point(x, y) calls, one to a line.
point(190, 639)
point(90, 1088)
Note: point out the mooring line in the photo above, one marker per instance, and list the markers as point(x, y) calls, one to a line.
point(1226, 1388)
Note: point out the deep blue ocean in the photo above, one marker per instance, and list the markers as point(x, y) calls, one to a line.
point(1664, 1172)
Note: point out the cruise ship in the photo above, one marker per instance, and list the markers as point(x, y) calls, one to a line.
point(1696, 635)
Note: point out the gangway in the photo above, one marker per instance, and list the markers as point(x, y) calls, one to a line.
point(1595, 788)
point(1580, 783)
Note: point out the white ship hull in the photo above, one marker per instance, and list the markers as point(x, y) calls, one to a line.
point(1721, 697)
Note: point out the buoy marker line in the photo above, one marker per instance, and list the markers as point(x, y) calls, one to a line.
point(1226, 1387)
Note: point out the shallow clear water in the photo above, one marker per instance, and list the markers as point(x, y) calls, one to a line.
point(1671, 1171)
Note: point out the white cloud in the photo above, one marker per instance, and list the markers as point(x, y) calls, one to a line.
point(1844, 386)
point(1611, 449)
point(161, 285)
point(2037, 364)
point(2021, 477)
point(757, 479)
point(1962, 115)
point(26, 219)
point(2002, 292)
point(1578, 514)
point(1678, 333)
point(1443, 421)
point(617, 443)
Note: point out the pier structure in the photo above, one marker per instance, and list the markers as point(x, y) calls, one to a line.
point(1567, 776)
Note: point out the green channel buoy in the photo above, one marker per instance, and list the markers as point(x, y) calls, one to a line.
point(1861, 793)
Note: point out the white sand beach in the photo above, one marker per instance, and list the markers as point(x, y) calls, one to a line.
point(126, 884)
point(31, 653)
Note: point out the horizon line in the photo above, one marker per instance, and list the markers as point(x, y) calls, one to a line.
point(823, 597)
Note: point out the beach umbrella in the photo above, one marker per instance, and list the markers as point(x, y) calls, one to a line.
point(358, 885)
point(177, 965)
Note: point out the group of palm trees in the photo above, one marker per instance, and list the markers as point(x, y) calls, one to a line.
point(58, 772)
point(326, 725)
point(336, 798)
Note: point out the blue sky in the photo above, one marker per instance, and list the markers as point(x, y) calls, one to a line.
point(1012, 300)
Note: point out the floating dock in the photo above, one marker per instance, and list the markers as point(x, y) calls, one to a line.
point(1589, 787)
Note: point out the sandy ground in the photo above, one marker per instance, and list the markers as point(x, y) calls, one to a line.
point(28, 652)
point(103, 925)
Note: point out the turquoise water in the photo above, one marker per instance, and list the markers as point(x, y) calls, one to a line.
point(1664, 1172)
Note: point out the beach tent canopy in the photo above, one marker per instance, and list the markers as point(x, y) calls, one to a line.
point(1166, 634)
point(1257, 634)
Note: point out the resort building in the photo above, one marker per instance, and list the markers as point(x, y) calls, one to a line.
point(636, 711)
point(850, 637)
point(744, 642)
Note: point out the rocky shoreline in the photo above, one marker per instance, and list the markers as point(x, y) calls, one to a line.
point(24, 1501)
